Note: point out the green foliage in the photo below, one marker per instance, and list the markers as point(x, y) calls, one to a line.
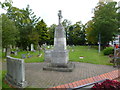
point(34, 37)
point(4, 85)
point(51, 31)
point(6, 4)
point(66, 24)
point(118, 17)
point(76, 34)
point(0, 31)
point(105, 22)
point(42, 30)
point(25, 21)
point(108, 50)
point(9, 32)
point(89, 33)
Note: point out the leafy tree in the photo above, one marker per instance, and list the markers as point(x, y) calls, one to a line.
point(66, 24)
point(69, 35)
point(76, 34)
point(118, 17)
point(0, 31)
point(6, 4)
point(9, 32)
point(51, 31)
point(34, 37)
point(42, 30)
point(89, 33)
point(105, 22)
point(25, 20)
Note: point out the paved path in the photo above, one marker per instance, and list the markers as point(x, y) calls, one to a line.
point(37, 78)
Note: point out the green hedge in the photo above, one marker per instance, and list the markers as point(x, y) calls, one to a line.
point(108, 51)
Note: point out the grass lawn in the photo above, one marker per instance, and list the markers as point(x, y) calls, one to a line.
point(90, 55)
point(4, 85)
point(32, 59)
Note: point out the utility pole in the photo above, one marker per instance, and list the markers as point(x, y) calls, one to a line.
point(99, 42)
point(119, 40)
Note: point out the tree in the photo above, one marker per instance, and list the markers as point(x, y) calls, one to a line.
point(9, 32)
point(42, 30)
point(76, 34)
point(89, 33)
point(6, 4)
point(105, 22)
point(66, 24)
point(118, 17)
point(0, 31)
point(25, 21)
point(69, 35)
point(51, 31)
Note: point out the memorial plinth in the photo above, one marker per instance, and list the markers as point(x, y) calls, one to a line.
point(59, 57)
point(60, 52)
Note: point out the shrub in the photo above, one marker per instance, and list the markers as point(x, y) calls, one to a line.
point(107, 85)
point(108, 50)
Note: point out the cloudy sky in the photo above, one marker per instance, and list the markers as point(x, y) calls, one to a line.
point(73, 10)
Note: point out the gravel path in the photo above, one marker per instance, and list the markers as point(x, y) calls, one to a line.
point(37, 78)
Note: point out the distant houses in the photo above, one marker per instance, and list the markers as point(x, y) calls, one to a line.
point(115, 41)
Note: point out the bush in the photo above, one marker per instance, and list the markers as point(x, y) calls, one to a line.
point(108, 51)
point(107, 85)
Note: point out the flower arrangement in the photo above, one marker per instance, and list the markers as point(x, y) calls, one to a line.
point(107, 85)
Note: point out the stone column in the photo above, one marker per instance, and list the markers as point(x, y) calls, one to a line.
point(59, 53)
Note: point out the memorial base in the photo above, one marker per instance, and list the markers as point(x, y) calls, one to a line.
point(15, 84)
point(67, 68)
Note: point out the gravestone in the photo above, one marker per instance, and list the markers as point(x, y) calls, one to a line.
point(32, 47)
point(4, 49)
point(58, 56)
point(8, 51)
point(119, 6)
point(27, 48)
point(11, 47)
point(16, 53)
point(48, 56)
point(15, 72)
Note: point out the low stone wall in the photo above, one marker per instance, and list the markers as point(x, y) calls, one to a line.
point(15, 72)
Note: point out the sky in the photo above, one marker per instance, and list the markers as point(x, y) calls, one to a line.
point(73, 10)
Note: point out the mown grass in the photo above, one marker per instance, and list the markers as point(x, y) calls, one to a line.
point(33, 59)
point(90, 55)
point(4, 85)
